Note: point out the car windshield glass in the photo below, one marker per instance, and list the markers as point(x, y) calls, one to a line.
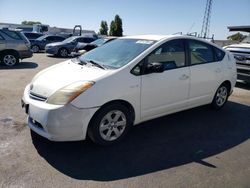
point(99, 42)
point(117, 53)
point(70, 39)
point(246, 40)
point(42, 37)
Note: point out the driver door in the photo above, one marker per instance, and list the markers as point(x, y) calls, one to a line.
point(165, 92)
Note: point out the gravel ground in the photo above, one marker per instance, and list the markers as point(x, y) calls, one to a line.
point(194, 148)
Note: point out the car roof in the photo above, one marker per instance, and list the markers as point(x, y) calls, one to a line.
point(150, 37)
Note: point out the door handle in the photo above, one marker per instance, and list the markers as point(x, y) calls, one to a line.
point(183, 77)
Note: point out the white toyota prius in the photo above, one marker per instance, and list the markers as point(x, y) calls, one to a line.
point(125, 82)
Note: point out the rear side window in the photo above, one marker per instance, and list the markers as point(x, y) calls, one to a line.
point(219, 54)
point(200, 52)
point(57, 38)
point(12, 34)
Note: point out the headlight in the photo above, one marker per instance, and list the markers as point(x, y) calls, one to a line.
point(69, 93)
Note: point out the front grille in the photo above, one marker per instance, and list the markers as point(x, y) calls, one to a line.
point(37, 97)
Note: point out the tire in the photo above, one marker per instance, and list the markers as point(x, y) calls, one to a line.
point(35, 48)
point(110, 124)
point(63, 52)
point(10, 59)
point(220, 97)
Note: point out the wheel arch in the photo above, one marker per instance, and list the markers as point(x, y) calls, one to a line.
point(10, 50)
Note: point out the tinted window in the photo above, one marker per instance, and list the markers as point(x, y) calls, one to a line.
point(200, 52)
point(219, 54)
point(86, 40)
point(12, 34)
point(57, 38)
point(32, 35)
point(171, 54)
point(50, 38)
point(1, 38)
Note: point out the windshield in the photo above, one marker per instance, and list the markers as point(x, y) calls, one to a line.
point(42, 37)
point(117, 53)
point(99, 42)
point(246, 40)
point(70, 39)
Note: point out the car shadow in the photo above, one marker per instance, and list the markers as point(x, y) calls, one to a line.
point(163, 143)
point(243, 85)
point(57, 56)
point(21, 65)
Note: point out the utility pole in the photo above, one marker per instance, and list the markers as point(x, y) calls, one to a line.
point(206, 19)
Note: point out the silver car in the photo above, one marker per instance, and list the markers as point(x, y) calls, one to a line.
point(13, 46)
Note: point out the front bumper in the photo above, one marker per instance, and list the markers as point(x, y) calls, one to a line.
point(243, 72)
point(57, 122)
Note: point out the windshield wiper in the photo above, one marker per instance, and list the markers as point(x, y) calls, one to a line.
point(96, 64)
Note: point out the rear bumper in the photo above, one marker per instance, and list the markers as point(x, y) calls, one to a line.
point(25, 54)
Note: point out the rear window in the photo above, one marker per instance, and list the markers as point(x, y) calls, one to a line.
point(12, 34)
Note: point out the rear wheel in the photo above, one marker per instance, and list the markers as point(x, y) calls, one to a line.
point(110, 125)
point(9, 58)
point(35, 48)
point(220, 97)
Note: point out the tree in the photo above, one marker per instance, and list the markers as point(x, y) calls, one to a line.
point(116, 27)
point(112, 28)
point(236, 37)
point(30, 22)
point(103, 28)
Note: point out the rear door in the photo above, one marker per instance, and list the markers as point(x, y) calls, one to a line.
point(206, 72)
point(2, 42)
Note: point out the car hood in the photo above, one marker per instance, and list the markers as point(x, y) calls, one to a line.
point(58, 76)
point(241, 45)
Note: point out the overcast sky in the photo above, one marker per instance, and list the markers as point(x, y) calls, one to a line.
point(139, 16)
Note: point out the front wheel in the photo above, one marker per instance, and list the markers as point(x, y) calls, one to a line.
point(220, 97)
point(35, 48)
point(63, 52)
point(110, 124)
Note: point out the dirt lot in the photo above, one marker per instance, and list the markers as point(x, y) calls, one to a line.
point(194, 148)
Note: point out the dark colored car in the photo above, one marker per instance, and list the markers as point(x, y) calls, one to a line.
point(64, 48)
point(32, 36)
point(40, 43)
point(81, 48)
point(13, 46)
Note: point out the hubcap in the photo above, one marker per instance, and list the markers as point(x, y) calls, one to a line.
point(63, 52)
point(35, 48)
point(221, 96)
point(112, 125)
point(9, 60)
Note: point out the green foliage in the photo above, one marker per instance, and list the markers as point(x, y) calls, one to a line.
point(236, 37)
point(30, 22)
point(116, 27)
point(103, 28)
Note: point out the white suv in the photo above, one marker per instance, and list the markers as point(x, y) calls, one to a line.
point(125, 82)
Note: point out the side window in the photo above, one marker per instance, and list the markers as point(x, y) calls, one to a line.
point(51, 38)
point(12, 34)
point(171, 54)
point(1, 38)
point(58, 38)
point(86, 40)
point(219, 54)
point(200, 52)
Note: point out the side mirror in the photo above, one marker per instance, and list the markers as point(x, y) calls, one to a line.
point(156, 67)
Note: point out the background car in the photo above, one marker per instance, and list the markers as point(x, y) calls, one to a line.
point(40, 43)
point(13, 46)
point(81, 48)
point(32, 35)
point(64, 48)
